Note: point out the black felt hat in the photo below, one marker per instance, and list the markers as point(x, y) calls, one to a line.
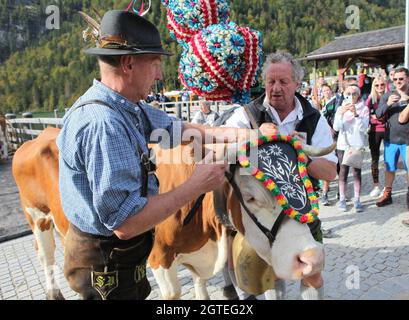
point(126, 33)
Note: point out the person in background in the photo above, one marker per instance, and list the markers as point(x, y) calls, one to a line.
point(364, 84)
point(317, 95)
point(329, 108)
point(205, 115)
point(376, 131)
point(155, 104)
point(404, 120)
point(306, 93)
point(396, 134)
point(351, 121)
point(391, 85)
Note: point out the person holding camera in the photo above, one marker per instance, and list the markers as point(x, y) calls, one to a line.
point(396, 135)
point(376, 131)
point(404, 119)
point(352, 122)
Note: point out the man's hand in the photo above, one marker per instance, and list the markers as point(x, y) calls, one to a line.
point(268, 129)
point(208, 175)
point(393, 99)
point(299, 135)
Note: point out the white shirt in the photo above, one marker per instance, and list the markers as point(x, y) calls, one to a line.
point(322, 136)
point(355, 128)
point(205, 118)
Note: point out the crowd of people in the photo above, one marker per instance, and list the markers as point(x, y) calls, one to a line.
point(359, 117)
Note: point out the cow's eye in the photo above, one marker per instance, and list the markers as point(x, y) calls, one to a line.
point(250, 199)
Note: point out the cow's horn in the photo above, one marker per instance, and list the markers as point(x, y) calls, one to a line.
point(318, 152)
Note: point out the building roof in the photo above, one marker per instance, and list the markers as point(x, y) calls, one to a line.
point(373, 45)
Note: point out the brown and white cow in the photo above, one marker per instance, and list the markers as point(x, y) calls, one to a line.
point(35, 170)
point(200, 245)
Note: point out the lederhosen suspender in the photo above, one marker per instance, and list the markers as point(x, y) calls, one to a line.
point(147, 166)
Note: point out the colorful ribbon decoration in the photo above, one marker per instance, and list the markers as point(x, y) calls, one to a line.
point(272, 186)
point(141, 11)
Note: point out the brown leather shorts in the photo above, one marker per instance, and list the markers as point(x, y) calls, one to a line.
point(107, 268)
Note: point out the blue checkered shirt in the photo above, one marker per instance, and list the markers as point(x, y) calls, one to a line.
point(100, 169)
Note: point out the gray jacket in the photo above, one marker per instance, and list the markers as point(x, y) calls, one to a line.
point(396, 133)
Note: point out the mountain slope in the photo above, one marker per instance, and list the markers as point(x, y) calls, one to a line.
point(42, 68)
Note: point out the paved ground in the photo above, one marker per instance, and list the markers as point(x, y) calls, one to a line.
point(12, 221)
point(367, 259)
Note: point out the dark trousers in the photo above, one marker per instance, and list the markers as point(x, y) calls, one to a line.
point(107, 268)
point(375, 140)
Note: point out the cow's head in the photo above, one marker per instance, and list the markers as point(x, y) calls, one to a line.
point(293, 253)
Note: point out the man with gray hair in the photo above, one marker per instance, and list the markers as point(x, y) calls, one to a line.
point(205, 115)
point(292, 114)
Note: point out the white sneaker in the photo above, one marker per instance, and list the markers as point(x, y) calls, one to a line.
point(375, 192)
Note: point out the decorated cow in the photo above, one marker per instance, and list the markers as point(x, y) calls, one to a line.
point(251, 204)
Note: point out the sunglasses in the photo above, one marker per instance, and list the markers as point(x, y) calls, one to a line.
point(379, 85)
point(351, 94)
point(400, 79)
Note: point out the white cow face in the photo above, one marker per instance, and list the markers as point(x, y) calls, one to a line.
point(294, 254)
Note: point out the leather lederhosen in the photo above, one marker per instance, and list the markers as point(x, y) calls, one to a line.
point(107, 268)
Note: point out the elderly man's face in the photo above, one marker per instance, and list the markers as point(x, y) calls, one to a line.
point(147, 69)
point(280, 86)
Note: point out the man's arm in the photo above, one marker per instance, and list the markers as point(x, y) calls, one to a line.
point(325, 167)
point(384, 105)
point(205, 178)
point(404, 115)
point(224, 134)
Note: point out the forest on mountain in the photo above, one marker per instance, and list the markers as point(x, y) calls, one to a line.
point(42, 69)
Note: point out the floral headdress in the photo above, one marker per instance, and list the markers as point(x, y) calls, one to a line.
point(188, 17)
point(284, 173)
point(222, 62)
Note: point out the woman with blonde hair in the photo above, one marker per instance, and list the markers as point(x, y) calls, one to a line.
point(377, 130)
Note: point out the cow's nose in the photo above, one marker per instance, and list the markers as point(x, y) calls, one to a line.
point(310, 262)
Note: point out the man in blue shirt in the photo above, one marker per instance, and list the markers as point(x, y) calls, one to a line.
point(107, 193)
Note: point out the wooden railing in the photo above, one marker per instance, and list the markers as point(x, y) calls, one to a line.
point(23, 129)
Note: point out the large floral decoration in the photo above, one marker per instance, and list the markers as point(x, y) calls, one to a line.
point(188, 17)
point(222, 62)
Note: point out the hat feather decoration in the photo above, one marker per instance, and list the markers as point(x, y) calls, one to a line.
point(93, 30)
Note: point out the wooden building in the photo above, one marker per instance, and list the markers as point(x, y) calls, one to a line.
point(375, 48)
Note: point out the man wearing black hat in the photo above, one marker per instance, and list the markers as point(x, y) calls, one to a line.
point(107, 192)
